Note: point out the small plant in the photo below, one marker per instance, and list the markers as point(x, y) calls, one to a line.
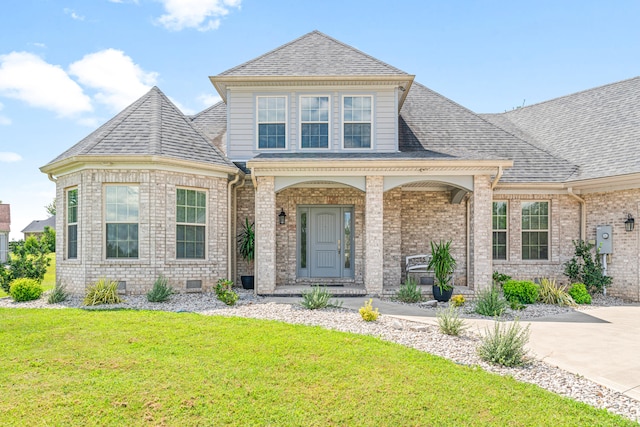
point(318, 297)
point(368, 313)
point(224, 292)
point(505, 345)
point(586, 267)
point(499, 278)
point(516, 305)
point(443, 264)
point(105, 291)
point(490, 302)
point(409, 291)
point(161, 290)
point(450, 322)
point(457, 300)
point(58, 294)
point(521, 291)
point(550, 293)
point(24, 289)
point(578, 291)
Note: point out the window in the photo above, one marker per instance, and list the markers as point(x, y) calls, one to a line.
point(357, 121)
point(122, 204)
point(499, 220)
point(535, 230)
point(272, 122)
point(191, 214)
point(72, 223)
point(314, 121)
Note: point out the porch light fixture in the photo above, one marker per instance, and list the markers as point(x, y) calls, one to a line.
point(282, 217)
point(629, 223)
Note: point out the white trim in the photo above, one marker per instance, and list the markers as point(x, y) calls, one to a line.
point(104, 220)
point(205, 224)
point(328, 122)
point(258, 123)
point(283, 182)
point(343, 122)
point(67, 223)
point(506, 230)
point(548, 229)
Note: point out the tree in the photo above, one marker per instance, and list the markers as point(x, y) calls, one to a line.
point(51, 207)
point(48, 239)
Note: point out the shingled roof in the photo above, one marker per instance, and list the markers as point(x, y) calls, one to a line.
point(38, 225)
point(429, 121)
point(151, 126)
point(597, 129)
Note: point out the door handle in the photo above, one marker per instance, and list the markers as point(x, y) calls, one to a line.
point(339, 246)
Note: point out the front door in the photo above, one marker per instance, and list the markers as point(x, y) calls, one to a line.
point(325, 241)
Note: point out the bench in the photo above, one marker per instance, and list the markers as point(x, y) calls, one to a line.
point(420, 264)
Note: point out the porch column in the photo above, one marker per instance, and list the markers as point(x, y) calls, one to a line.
point(481, 268)
point(265, 229)
point(373, 233)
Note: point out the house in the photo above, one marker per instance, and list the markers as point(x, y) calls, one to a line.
point(36, 227)
point(5, 229)
point(364, 166)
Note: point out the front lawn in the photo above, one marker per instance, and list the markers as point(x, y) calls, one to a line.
point(76, 367)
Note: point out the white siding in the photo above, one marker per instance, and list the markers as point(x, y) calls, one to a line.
point(241, 107)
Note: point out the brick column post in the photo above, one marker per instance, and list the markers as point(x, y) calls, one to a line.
point(373, 233)
point(265, 229)
point(481, 268)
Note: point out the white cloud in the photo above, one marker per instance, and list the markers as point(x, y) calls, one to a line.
point(72, 13)
point(40, 45)
point(118, 80)
point(29, 78)
point(208, 99)
point(9, 157)
point(203, 15)
point(185, 110)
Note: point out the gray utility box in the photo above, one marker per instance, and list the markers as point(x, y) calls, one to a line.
point(604, 239)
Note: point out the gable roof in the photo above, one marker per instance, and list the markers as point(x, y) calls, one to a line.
point(5, 217)
point(429, 121)
point(212, 121)
point(151, 126)
point(597, 129)
point(38, 226)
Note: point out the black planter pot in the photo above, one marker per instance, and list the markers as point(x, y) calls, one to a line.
point(441, 295)
point(247, 282)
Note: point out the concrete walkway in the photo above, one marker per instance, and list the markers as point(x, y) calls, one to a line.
point(601, 344)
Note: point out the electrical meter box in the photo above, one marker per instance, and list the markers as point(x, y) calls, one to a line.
point(604, 239)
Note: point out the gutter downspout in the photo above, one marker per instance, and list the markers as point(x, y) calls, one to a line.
point(229, 225)
point(497, 178)
point(255, 264)
point(51, 178)
point(583, 213)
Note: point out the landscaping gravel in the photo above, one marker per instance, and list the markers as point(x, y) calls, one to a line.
point(428, 338)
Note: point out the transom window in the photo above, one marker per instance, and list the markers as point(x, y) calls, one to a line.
point(121, 215)
point(272, 122)
point(499, 220)
point(357, 121)
point(535, 230)
point(314, 121)
point(191, 214)
point(72, 223)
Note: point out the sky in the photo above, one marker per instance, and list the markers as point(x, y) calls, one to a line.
point(67, 66)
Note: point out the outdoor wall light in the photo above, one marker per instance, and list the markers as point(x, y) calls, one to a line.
point(629, 223)
point(282, 217)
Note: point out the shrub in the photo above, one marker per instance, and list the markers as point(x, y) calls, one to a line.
point(522, 291)
point(550, 293)
point(318, 297)
point(224, 292)
point(27, 259)
point(505, 346)
point(586, 267)
point(368, 313)
point(105, 291)
point(161, 290)
point(578, 291)
point(449, 321)
point(457, 300)
point(24, 289)
point(490, 302)
point(58, 294)
point(499, 278)
point(409, 291)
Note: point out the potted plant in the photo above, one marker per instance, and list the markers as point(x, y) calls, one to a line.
point(443, 265)
point(246, 247)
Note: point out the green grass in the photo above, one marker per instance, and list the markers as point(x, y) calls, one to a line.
point(49, 281)
point(138, 368)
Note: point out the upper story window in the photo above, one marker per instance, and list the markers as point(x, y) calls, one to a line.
point(272, 122)
point(535, 230)
point(191, 215)
point(499, 220)
point(121, 217)
point(72, 223)
point(314, 122)
point(356, 118)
